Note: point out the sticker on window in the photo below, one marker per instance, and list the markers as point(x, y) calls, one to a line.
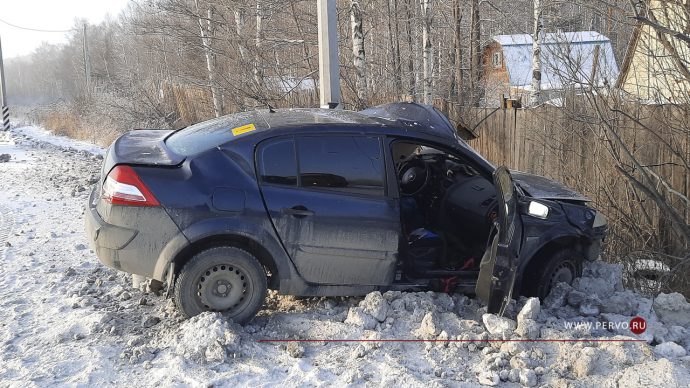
point(243, 129)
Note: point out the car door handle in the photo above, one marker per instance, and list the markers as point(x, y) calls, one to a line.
point(298, 211)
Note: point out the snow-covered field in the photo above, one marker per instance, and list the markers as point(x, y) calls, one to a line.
point(66, 319)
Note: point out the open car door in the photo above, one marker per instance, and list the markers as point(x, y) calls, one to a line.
point(498, 267)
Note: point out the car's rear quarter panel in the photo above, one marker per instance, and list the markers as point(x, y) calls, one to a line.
point(215, 194)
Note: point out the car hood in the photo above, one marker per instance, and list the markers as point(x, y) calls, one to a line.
point(544, 188)
point(421, 117)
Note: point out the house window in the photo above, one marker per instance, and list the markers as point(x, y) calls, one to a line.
point(496, 60)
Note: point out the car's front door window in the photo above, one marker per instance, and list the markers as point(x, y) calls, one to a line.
point(350, 164)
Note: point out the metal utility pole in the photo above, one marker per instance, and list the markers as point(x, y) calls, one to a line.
point(329, 69)
point(4, 109)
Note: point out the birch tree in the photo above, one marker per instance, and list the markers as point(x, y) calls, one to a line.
point(206, 29)
point(258, 43)
point(535, 92)
point(427, 54)
point(358, 53)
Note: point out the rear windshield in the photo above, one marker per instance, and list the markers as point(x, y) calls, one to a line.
point(208, 134)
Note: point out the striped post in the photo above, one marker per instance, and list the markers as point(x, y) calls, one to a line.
point(5, 118)
point(3, 97)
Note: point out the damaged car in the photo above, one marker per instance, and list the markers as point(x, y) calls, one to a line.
point(316, 202)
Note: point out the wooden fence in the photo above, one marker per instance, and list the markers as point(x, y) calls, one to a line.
point(578, 147)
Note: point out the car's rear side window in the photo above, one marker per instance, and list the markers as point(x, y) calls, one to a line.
point(277, 162)
point(208, 134)
point(351, 164)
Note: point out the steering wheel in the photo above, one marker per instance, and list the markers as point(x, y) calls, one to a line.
point(414, 177)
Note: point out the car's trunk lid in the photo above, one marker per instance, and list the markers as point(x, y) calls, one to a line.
point(141, 147)
point(144, 147)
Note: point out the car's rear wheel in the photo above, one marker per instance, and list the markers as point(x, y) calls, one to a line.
point(224, 279)
point(562, 266)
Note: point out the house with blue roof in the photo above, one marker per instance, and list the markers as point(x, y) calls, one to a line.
point(581, 60)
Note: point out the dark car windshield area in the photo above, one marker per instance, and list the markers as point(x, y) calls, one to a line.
point(350, 164)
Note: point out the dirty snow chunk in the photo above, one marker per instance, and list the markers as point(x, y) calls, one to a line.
point(677, 334)
point(375, 305)
point(444, 302)
point(530, 310)
point(295, 350)
point(590, 306)
point(4, 158)
point(514, 375)
point(575, 298)
point(651, 374)
point(586, 362)
point(528, 328)
point(670, 350)
point(498, 325)
point(528, 378)
point(611, 273)
point(429, 327)
point(672, 309)
point(79, 247)
point(356, 316)
point(594, 286)
point(150, 322)
point(557, 296)
point(623, 303)
point(488, 378)
point(203, 338)
point(359, 352)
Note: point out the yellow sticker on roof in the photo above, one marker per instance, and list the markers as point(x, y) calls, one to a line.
point(243, 129)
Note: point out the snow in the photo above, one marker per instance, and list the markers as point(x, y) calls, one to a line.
point(45, 136)
point(567, 59)
point(68, 320)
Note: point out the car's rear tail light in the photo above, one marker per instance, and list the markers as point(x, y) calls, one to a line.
point(124, 187)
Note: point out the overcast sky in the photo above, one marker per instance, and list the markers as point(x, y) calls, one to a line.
point(47, 15)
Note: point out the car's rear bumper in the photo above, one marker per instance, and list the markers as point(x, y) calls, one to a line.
point(128, 238)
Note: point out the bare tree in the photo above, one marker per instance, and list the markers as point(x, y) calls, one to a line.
point(427, 53)
point(206, 31)
point(475, 51)
point(457, 42)
point(537, 36)
point(358, 53)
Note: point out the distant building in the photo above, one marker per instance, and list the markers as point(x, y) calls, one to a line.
point(651, 71)
point(567, 60)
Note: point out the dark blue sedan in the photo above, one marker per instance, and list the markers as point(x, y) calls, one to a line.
point(317, 202)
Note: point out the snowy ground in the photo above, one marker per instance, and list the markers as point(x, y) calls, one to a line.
point(66, 319)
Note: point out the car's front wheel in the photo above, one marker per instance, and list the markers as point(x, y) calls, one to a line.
point(224, 279)
point(563, 266)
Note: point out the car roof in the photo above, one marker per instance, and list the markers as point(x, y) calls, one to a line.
point(397, 116)
point(402, 119)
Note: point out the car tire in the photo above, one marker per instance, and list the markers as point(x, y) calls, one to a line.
point(229, 280)
point(562, 266)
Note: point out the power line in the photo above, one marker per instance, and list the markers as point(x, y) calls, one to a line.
point(33, 29)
